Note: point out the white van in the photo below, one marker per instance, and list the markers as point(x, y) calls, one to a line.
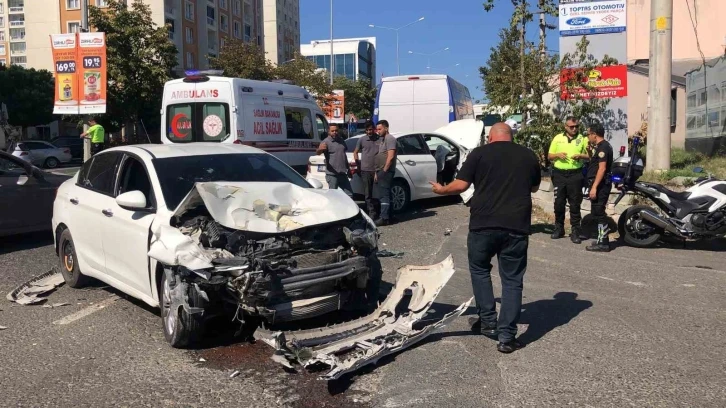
point(421, 102)
point(280, 118)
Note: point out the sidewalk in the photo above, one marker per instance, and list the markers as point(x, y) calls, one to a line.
point(545, 199)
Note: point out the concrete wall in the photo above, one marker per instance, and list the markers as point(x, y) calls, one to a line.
point(638, 108)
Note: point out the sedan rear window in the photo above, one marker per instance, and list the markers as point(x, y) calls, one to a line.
point(177, 175)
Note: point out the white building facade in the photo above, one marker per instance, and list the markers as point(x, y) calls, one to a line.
point(355, 58)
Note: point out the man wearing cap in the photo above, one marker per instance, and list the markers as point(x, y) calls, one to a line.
point(566, 152)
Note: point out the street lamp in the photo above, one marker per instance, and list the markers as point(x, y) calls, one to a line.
point(398, 66)
point(443, 69)
point(429, 55)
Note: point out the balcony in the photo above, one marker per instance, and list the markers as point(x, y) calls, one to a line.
point(169, 10)
point(16, 22)
point(16, 7)
point(17, 34)
point(17, 50)
point(211, 22)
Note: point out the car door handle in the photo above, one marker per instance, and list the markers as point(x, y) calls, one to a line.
point(107, 213)
point(74, 201)
point(410, 162)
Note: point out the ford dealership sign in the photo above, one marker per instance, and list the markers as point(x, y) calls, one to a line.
point(594, 17)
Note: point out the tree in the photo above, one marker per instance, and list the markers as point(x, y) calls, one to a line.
point(28, 94)
point(306, 73)
point(359, 96)
point(140, 60)
point(239, 59)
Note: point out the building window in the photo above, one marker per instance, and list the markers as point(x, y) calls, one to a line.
point(73, 4)
point(223, 23)
point(170, 26)
point(2, 22)
point(3, 62)
point(101, 3)
point(222, 43)
point(248, 33)
point(237, 9)
point(2, 35)
point(19, 60)
point(237, 30)
point(2, 49)
point(189, 10)
point(189, 35)
point(223, 4)
point(210, 15)
point(74, 27)
point(190, 60)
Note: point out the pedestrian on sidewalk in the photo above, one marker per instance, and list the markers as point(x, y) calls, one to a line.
point(567, 151)
point(504, 175)
point(97, 135)
point(364, 156)
point(385, 170)
point(598, 176)
point(337, 168)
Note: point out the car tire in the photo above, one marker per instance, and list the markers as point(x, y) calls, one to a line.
point(69, 261)
point(181, 328)
point(51, 163)
point(400, 195)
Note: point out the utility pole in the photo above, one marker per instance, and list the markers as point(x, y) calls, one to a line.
point(332, 56)
point(84, 29)
point(658, 146)
point(542, 32)
point(522, 13)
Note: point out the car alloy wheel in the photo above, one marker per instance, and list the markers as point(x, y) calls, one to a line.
point(68, 260)
point(170, 316)
point(398, 197)
point(51, 162)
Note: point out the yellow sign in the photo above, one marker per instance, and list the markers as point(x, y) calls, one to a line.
point(661, 23)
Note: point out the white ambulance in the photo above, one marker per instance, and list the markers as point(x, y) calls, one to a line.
point(280, 118)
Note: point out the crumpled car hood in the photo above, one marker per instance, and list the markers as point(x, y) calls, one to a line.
point(269, 207)
point(349, 346)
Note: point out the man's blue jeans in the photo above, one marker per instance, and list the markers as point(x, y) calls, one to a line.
point(511, 251)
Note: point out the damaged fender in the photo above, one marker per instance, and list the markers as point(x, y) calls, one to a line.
point(349, 346)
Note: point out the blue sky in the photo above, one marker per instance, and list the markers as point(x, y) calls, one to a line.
point(465, 28)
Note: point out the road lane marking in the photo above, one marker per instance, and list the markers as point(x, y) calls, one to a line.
point(86, 311)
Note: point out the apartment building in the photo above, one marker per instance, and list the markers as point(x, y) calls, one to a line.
point(282, 29)
point(199, 28)
point(355, 58)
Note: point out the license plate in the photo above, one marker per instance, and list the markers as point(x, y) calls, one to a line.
point(321, 168)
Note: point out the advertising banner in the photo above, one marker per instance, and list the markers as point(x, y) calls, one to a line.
point(602, 83)
point(92, 73)
point(595, 17)
point(67, 94)
point(334, 108)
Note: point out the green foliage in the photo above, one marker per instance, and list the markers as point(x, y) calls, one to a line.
point(140, 60)
point(683, 163)
point(239, 59)
point(359, 96)
point(305, 73)
point(28, 94)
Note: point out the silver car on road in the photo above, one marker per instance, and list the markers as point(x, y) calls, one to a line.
point(41, 153)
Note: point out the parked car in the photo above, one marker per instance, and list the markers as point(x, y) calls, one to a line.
point(416, 164)
point(74, 143)
point(41, 153)
point(208, 229)
point(26, 196)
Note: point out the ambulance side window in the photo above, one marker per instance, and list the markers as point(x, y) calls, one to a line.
point(179, 126)
point(322, 126)
point(299, 123)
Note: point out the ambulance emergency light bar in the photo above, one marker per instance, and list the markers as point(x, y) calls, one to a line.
point(201, 76)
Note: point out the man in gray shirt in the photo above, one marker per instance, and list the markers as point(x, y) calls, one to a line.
point(385, 170)
point(337, 167)
point(367, 147)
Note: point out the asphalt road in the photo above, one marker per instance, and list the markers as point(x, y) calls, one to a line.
point(629, 328)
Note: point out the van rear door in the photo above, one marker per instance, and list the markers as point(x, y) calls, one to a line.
point(395, 104)
point(198, 112)
point(431, 104)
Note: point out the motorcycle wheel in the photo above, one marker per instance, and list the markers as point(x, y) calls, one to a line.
point(636, 232)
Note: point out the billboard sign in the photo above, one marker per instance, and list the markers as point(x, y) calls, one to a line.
point(79, 60)
point(602, 83)
point(595, 17)
point(334, 107)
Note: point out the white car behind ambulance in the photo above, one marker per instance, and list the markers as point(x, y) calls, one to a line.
point(279, 118)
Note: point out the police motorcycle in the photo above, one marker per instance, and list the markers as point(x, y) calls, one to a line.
point(697, 213)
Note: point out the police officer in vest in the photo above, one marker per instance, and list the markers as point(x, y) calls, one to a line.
point(598, 177)
point(566, 152)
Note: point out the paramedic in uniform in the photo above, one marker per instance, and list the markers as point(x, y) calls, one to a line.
point(337, 167)
point(598, 177)
point(566, 152)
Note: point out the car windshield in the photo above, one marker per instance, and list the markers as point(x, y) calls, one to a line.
point(177, 175)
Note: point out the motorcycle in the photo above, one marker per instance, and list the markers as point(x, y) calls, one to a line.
point(694, 214)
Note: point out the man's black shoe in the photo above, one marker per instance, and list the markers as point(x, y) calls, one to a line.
point(601, 247)
point(558, 233)
point(509, 347)
point(575, 236)
point(382, 222)
point(489, 330)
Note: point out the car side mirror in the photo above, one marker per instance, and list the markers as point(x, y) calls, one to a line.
point(315, 183)
point(132, 201)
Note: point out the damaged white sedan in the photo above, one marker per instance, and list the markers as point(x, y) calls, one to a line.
point(202, 229)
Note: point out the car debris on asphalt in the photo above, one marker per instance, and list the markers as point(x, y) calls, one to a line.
point(30, 292)
point(347, 347)
point(385, 253)
point(3, 327)
point(54, 305)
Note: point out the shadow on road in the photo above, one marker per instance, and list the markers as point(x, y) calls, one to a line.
point(25, 242)
point(545, 315)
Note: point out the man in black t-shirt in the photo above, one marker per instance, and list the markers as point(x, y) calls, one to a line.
point(504, 175)
point(598, 177)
